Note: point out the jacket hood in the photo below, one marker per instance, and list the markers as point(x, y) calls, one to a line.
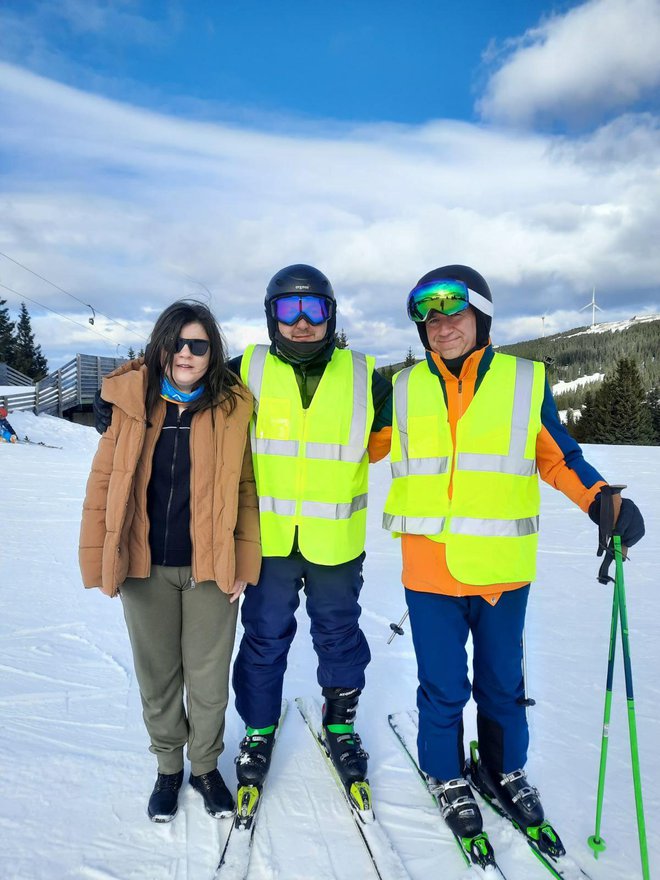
point(127, 389)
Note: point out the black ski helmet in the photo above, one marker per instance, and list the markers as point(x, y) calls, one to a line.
point(473, 281)
point(299, 278)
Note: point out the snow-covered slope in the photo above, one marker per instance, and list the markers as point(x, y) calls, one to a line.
point(561, 387)
point(615, 326)
point(75, 772)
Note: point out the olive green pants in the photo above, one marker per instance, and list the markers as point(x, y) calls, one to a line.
point(182, 640)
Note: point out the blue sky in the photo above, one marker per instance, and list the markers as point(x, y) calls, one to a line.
point(153, 150)
point(359, 62)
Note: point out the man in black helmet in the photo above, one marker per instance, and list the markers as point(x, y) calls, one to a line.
point(320, 413)
point(316, 408)
point(471, 431)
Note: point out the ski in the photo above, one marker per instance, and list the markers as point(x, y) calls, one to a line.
point(235, 859)
point(562, 867)
point(385, 860)
point(477, 852)
point(26, 439)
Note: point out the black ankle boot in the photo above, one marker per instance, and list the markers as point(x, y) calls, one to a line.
point(164, 800)
point(217, 798)
point(344, 745)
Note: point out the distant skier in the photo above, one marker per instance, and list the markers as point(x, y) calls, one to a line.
point(7, 433)
point(472, 431)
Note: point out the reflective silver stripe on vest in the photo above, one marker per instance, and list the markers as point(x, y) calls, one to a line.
point(256, 371)
point(354, 451)
point(515, 462)
point(254, 382)
point(494, 528)
point(410, 466)
point(328, 510)
point(262, 446)
point(414, 525)
point(280, 506)
point(416, 467)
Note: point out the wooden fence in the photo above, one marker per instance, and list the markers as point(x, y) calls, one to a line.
point(73, 385)
point(10, 376)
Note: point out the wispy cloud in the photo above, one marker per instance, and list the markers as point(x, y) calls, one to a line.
point(123, 207)
point(579, 67)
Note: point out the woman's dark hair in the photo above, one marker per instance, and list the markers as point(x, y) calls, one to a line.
point(160, 353)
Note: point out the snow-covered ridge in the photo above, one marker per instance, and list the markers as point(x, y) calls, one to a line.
point(616, 326)
point(561, 386)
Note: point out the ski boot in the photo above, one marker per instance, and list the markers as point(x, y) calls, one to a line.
point(164, 799)
point(344, 746)
point(252, 763)
point(253, 759)
point(462, 816)
point(458, 806)
point(518, 800)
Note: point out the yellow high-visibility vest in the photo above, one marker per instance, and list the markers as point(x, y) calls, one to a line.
point(490, 525)
point(311, 465)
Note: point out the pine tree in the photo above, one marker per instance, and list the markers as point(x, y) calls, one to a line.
point(410, 359)
point(617, 412)
point(27, 357)
point(6, 335)
point(653, 403)
point(341, 339)
point(131, 353)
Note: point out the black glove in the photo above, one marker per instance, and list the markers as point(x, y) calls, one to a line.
point(630, 524)
point(102, 413)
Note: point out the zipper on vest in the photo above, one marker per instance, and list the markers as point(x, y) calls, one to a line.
point(169, 500)
point(459, 414)
point(303, 388)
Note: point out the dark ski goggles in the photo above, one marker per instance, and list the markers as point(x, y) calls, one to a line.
point(198, 347)
point(291, 308)
point(447, 296)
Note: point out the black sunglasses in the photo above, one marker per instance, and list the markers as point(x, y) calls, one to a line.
point(198, 347)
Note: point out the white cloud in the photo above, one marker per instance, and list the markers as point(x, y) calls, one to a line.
point(579, 67)
point(128, 209)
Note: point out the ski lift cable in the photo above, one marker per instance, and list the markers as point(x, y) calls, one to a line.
point(62, 290)
point(22, 296)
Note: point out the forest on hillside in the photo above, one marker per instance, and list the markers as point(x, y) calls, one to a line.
point(580, 353)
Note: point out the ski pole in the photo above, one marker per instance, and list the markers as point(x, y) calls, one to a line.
point(397, 628)
point(630, 698)
point(610, 507)
point(525, 700)
point(596, 842)
point(609, 510)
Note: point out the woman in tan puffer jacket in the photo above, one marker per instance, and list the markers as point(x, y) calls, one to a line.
point(171, 524)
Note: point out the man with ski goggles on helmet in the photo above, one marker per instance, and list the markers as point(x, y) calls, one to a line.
point(317, 409)
point(472, 430)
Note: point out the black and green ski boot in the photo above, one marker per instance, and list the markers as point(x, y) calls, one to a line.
point(458, 807)
point(253, 759)
point(343, 743)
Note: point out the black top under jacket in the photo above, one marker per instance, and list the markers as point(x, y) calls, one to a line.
point(168, 493)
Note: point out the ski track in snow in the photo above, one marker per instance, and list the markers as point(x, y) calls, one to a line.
point(75, 772)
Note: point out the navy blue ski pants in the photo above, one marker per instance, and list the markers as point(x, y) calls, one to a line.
point(440, 626)
point(268, 617)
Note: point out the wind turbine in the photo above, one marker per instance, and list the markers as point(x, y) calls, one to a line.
point(543, 317)
point(592, 305)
